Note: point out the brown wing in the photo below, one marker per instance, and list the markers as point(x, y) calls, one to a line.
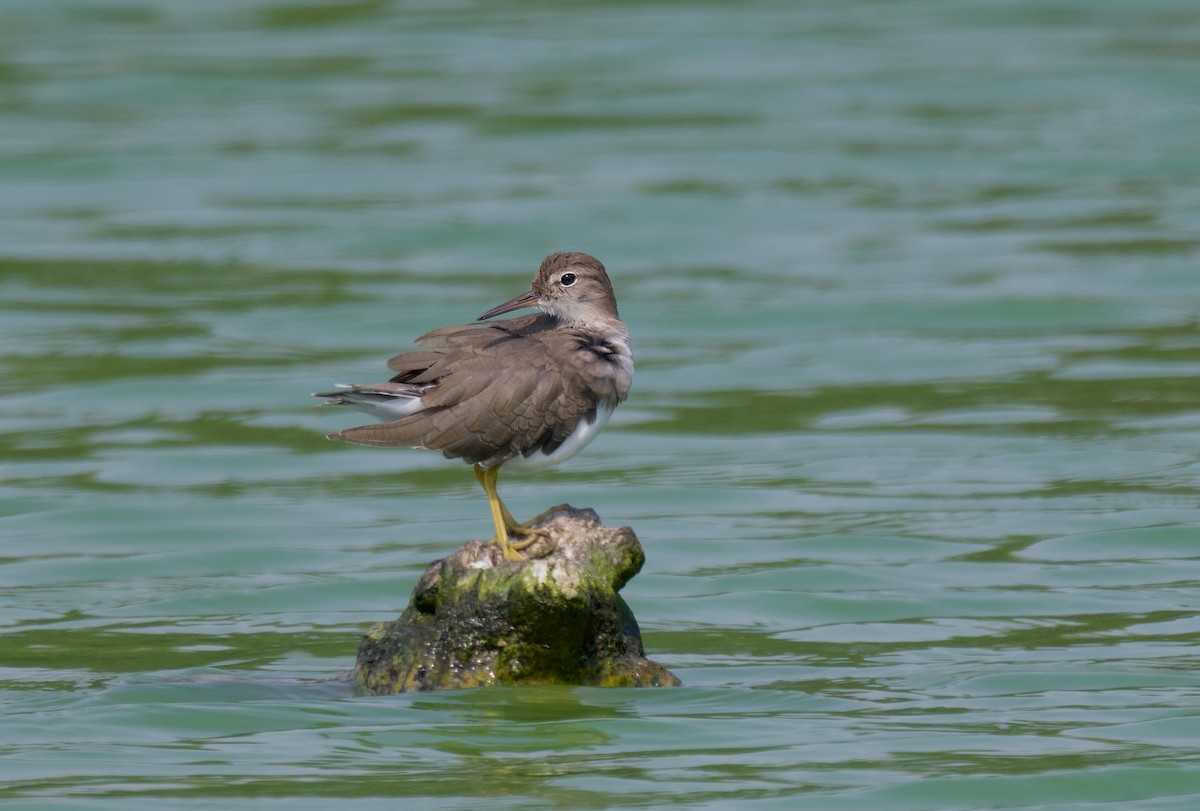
point(498, 394)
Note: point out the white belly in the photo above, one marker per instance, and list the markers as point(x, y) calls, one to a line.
point(584, 433)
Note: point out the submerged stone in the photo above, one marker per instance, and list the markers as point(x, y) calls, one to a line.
point(475, 619)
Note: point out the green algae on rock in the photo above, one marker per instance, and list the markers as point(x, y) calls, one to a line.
point(475, 619)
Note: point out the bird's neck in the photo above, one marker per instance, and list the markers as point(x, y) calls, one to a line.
point(597, 324)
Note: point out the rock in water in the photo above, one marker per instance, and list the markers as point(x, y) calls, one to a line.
point(475, 619)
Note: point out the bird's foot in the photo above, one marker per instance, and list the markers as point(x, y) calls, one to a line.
point(531, 536)
point(507, 551)
point(525, 537)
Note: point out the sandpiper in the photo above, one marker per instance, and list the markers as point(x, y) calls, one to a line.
point(523, 393)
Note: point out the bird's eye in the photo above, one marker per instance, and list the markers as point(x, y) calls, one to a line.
point(567, 279)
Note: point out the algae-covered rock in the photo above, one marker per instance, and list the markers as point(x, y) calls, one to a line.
point(475, 619)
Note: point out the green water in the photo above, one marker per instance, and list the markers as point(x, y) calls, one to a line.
point(913, 445)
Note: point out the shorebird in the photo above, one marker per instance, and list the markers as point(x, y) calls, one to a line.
point(522, 393)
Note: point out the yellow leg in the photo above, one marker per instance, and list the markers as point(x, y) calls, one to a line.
point(502, 518)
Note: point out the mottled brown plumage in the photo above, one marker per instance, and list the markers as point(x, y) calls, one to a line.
point(528, 391)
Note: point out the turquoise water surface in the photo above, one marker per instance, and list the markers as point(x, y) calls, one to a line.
point(913, 444)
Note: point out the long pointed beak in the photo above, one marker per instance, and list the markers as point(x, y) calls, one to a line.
point(527, 299)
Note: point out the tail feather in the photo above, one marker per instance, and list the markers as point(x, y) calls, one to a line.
point(384, 401)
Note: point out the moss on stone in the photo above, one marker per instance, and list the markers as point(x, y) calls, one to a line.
point(475, 619)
